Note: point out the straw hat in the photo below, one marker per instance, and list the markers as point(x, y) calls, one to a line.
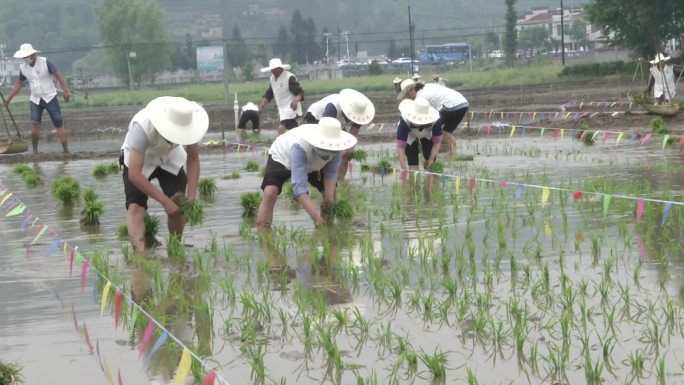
point(416, 77)
point(396, 81)
point(658, 58)
point(406, 86)
point(275, 63)
point(418, 112)
point(356, 106)
point(178, 120)
point(25, 50)
point(328, 135)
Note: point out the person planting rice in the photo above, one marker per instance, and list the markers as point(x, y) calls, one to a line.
point(662, 80)
point(349, 107)
point(419, 122)
point(309, 153)
point(163, 143)
point(250, 113)
point(452, 106)
point(286, 91)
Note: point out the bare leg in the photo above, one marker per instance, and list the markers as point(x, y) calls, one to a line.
point(176, 226)
point(264, 216)
point(35, 136)
point(281, 129)
point(136, 226)
point(346, 156)
point(61, 135)
point(451, 141)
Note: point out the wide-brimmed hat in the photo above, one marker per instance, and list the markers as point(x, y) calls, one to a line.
point(25, 50)
point(658, 58)
point(396, 80)
point(328, 135)
point(416, 77)
point(356, 106)
point(178, 120)
point(275, 63)
point(418, 112)
point(406, 86)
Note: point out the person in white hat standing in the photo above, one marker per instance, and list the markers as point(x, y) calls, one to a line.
point(41, 73)
point(286, 91)
point(310, 153)
point(419, 122)
point(662, 80)
point(397, 85)
point(162, 143)
point(351, 108)
point(451, 104)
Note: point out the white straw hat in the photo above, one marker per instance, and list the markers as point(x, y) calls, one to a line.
point(356, 106)
point(25, 50)
point(406, 86)
point(178, 120)
point(418, 112)
point(275, 63)
point(658, 58)
point(416, 77)
point(328, 135)
point(396, 81)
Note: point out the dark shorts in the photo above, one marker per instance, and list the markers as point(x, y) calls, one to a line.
point(310, 119)
point(249, 116)
point(52, 108)
point(169, 183)
point(451, 119)
point(412, 151)
point(276, 175)
point(289, 123)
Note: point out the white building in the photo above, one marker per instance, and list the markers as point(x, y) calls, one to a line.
point(551, 20)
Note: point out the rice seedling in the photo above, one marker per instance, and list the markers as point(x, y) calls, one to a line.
point(21, 168)
point(661, 372)
point(383, 166)
point(31, 178)
point(340, 211)
point(207, 188)
point(252, 166)
point(637, 363)
point(470, 377)
point(152, 224)
point(437, 167)
point(256, 354)
point(359, 155)
point(193, 212)
point(593, 371)
point(104, 169)
point(10, 373)
point(66, 189)
point(436, 364)
point(93, 208)
point(250, 204)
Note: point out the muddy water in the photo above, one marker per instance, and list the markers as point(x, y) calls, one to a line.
point(37, 294)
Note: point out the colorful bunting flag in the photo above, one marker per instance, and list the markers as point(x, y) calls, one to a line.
point(210, 378)
point(665, 139)
point(471, 185)
point(606, 203)
point(619, 138)
point(640, 209)
point(146, 337)
point(105, 295)
point(519, 191)
point(666, 212)
point(458, 183)
point(183, 367)
point(646, 138)
point(118, 302)
point(84, 273)
point(545, 195)
point(160, 341)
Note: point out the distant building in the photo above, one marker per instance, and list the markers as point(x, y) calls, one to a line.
point(9, 70)
point(551, 20)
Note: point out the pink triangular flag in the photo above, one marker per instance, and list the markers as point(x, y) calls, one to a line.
point(471, 185)
point(84, 273)
point(146, 338)
point(640, 209)
point(117, 308)
point(210, 378)
point(73, 315)
point(646, 138)
point(87, 338)
point(680, 144)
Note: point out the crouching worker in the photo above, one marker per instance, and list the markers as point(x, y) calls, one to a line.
point(162, 143)
point(308, 153)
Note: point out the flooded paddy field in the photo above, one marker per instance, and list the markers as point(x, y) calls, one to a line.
point(535, 263)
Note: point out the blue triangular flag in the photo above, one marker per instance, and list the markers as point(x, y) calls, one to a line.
point(519, 191)
point(156, 347)
point(666, 212)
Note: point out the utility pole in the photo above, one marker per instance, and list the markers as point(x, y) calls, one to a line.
point(562, 33)
point(345, 34)
point(411, 41)
point(224, 41)
point(470, 55)
point(327, 51)
point(338, 43)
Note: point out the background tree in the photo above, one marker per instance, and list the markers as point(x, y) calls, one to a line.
point(492, 41)
point(312, 50)
point(248, 71)
point(238, 51)
point(534, 37)
point(185, 56)
point(281, 48)
point(134, 26)
point(511, 40)
point(298, 32)
point(578, 33)
point(641, 25)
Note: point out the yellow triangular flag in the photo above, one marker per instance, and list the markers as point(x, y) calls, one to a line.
point(534, 115)
point(5, 198)
point(545, 195)
point(458, 183)
point(619, 138)
point(105, 295)
point(183, 367)
point(542, 131)
point(512, 131)
point(562, 133)
point(108, 373)
point(665, 139)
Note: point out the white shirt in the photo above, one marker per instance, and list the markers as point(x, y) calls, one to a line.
point(40, 80)
point(250, 107)
point(441, 97)
point(283, 97)
point(666, 77)
point(318, 108)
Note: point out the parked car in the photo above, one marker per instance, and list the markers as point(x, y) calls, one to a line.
point(404, 60)
point(496, 54)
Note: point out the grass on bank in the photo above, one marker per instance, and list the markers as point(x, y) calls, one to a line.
point(253, 90)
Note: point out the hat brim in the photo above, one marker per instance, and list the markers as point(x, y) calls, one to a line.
point(408, 113)
point(22, 54)
point(656, 61)
point(347, 96)
point(179, 134)
point(284, 66)
point(313, 137)
point(402, 94)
